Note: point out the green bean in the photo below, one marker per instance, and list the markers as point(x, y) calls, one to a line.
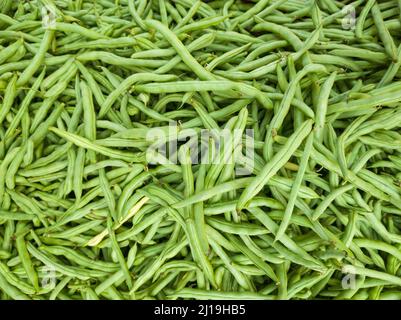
point(113, 59)
point(325, 203)
point(62, 84)
point(306, 282)
point(384, 33)
point(119, 254)
point(74, 28)
point(10, 94)
point(38, 58)
point(184, 86)
point(243, 228)
point(258, 251)
point(254, 258)
point(84, 143)
point(198, 254)
point(7, 215)
point(372, 274)
point(135, 15)
point(124, 86)
point(321, 107)
point(243, 281)
point(285, 104)
point(201, 24)
point(300, 256)
point(10, 50)
point(226, 57)
point(181, 49)
point(294, 191)
point(274, 165)
point(169, 251)
point(12, 291)
point(217, 295)
point(4, 165)
point(13, 280)
point(26, 260)
point(392, 70)
point(115, 182)
point(14, 166)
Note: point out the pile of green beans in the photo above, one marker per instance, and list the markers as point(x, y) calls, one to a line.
point(84, 214)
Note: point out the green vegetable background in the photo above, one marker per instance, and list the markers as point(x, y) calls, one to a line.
point(302, 200)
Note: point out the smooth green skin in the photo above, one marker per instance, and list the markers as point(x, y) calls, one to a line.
point(8, 52)
point(295, 187)
point(383, 32)
point(216, 295)
point(193, 236)
point(278, 160)
point(217, 85)
point(25, 104)
point(37, 60)
point(26, 259)
point(12, 291)
point(74, 28)
point(321, 107)
point(62, 83)
point(126, 84)
point(85, 143)
point(283, 110)
point(242, 280)
point(3, 166)
point(9, 96)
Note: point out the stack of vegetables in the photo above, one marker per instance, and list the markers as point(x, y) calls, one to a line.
point(313, 212)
